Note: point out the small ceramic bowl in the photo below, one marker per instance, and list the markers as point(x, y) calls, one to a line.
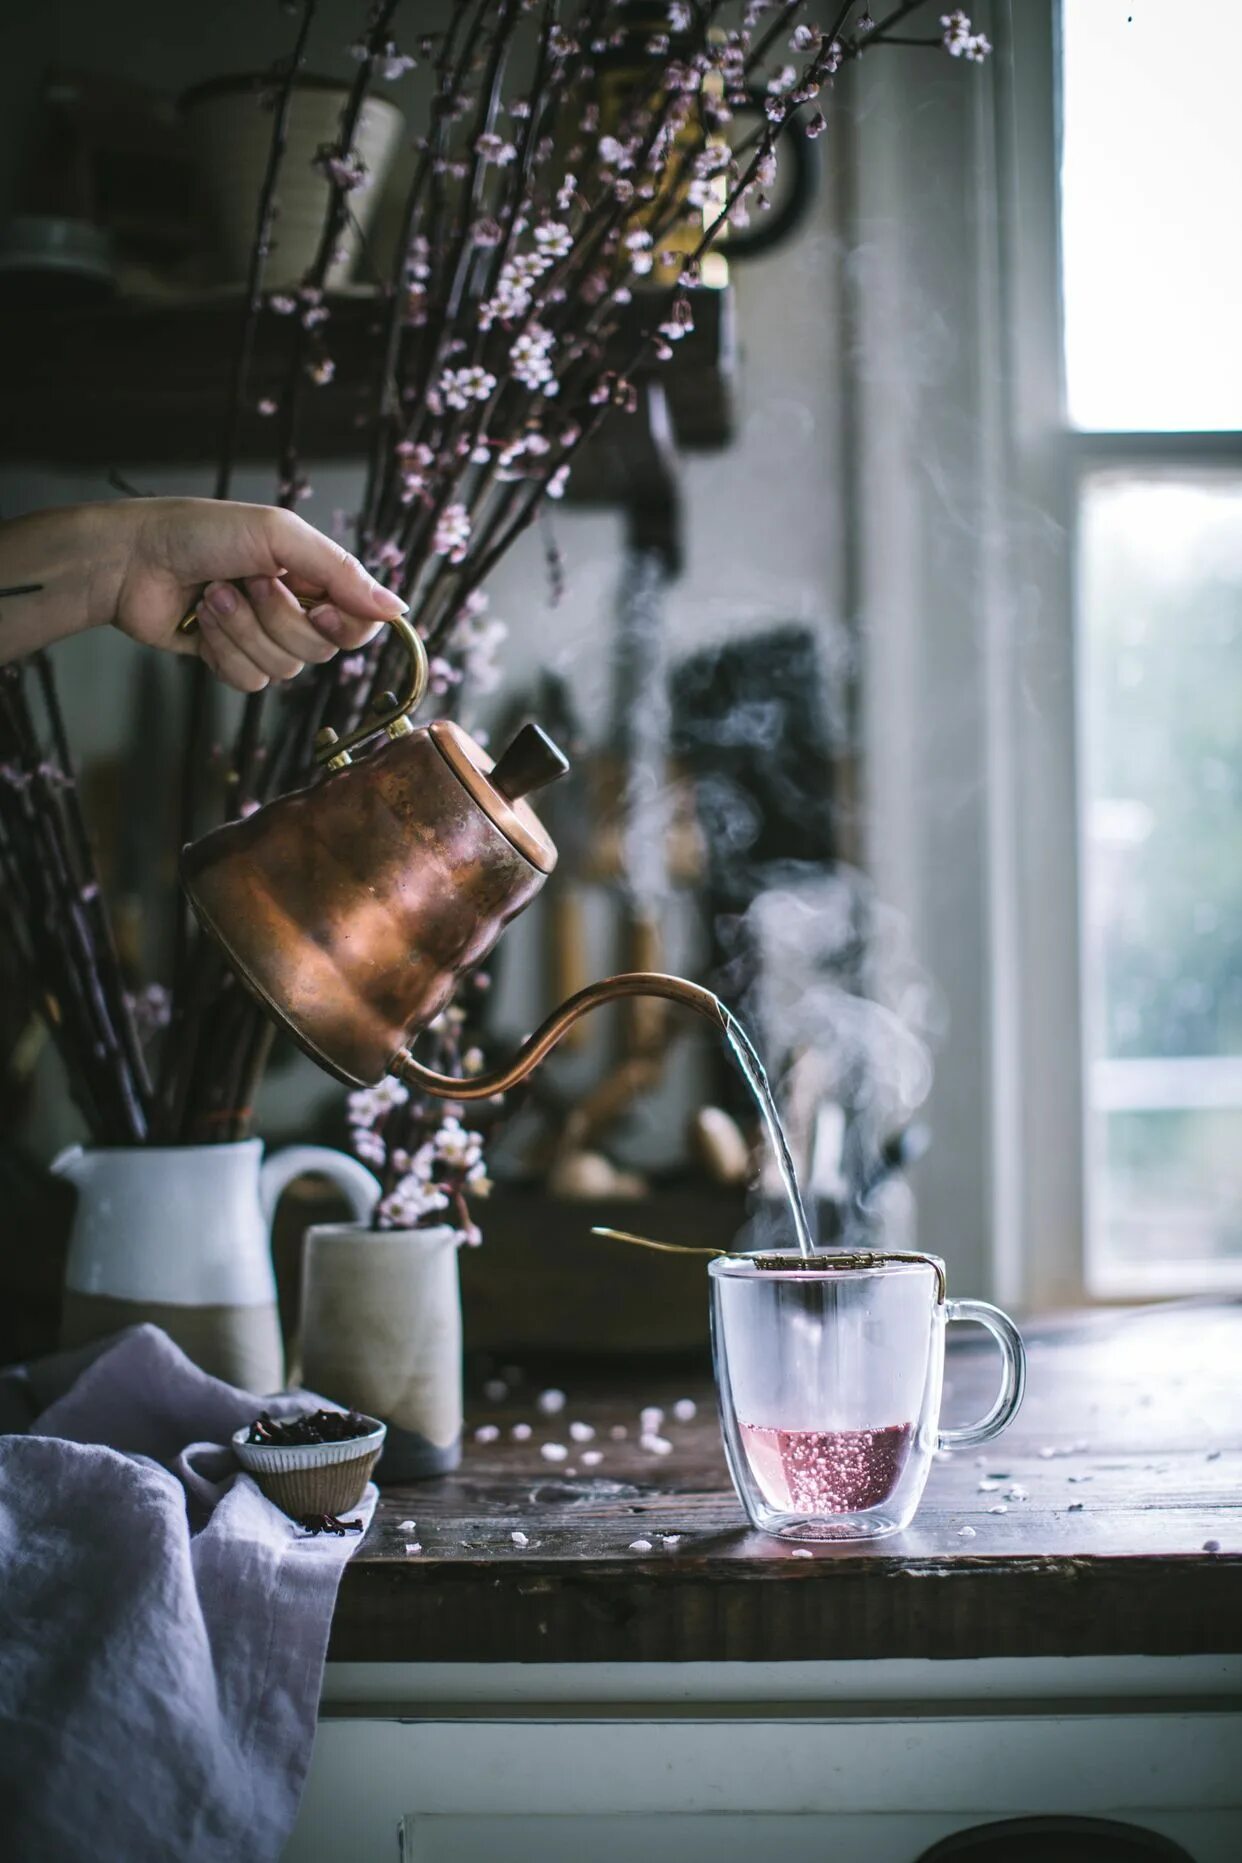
point(312, 1478)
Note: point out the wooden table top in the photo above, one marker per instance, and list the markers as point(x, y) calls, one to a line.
point(1090, 1528)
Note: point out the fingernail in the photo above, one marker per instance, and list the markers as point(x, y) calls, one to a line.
point(260, 587)
point(390, 599)
point(222, 598)
point(327, 621)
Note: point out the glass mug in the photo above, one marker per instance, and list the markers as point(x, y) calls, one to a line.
point(829, 1378)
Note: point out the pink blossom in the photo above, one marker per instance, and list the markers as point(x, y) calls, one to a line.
point(452, 533)
point(460, 387)
point(395, 64)
point(492, 148)
point(554, 239)
point(346, 171)
point(530, 357)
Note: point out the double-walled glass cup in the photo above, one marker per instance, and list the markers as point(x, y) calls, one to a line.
point(829, 1375)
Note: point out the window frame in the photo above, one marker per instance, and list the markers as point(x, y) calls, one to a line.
point(1043, 1249)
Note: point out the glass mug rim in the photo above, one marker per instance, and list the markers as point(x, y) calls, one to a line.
point(843, 1264)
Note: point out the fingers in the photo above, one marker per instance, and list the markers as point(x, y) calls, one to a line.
point(294, 633)
point(233, 629)
point(316, 563)
point(262, 635)
point(226, 661)
point(343, 630)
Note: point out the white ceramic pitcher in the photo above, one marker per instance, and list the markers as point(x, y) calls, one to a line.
point(181, 1235)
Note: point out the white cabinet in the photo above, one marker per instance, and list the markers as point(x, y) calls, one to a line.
point(801, 1763)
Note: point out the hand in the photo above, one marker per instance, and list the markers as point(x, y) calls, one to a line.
point(182, 552)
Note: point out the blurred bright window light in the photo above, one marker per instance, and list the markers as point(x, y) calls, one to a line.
point(1152, 213)
point(1160, 658)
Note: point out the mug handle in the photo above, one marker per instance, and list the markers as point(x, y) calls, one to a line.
point(1013, 1377)
point(356, 1184)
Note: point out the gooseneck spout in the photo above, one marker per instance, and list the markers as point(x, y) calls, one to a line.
point(533, 1049)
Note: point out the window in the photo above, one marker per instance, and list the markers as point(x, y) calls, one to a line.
point(1152, 310)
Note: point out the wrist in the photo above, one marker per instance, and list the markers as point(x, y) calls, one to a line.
point(101, 549)
point(72, 560)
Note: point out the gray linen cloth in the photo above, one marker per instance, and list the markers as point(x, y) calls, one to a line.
point(162, 1625)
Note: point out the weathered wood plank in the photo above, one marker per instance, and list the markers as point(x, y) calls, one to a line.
point(1125, 1463)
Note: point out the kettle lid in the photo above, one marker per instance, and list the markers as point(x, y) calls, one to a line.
point(531, 761)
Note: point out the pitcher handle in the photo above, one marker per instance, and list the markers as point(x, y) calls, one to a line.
point(356, 1184)
point(1013, 1376)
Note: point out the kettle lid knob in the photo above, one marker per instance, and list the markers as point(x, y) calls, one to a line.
point(531, 762)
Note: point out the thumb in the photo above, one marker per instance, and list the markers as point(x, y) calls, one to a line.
point(314, 559)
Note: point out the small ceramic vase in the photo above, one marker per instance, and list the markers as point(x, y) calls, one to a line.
point(381, 1333)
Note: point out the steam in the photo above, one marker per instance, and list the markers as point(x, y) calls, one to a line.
point(844, 1016)
point(641, 725)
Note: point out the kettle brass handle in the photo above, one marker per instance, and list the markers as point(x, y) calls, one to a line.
point(333, 751)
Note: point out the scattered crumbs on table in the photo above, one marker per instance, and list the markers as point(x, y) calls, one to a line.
point(1078, 1478)
point(407, 1526)
point(553, 1452)
point(496, 1390)
point(685, 1410)
point(1211, 1545)
point(655, 1445)
point(640, 1545)
point(989, 1485)
point(570, 1469)
point(486, 1433)
point(966, 1533)
point(582, 1432)
point(618, 1432)
point(1076, 1507)
point(519, 1539)
point(520, 1432)
point(1213, 1455)
point(650, 1417)
point(549, 1403)
point(591, 1458)
point(1017, 1493)
point(670, 1539)
point(802, 1552)
point(414, 1547)
point(1000, 1508)
point(1046, 1454)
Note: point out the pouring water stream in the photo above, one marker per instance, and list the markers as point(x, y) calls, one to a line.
point(752, 1071)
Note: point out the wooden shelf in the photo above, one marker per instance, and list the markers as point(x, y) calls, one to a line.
point(148, 384)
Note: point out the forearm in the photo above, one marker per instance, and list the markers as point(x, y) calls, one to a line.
point(69, 566)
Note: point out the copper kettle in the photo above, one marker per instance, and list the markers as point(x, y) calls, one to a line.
point(352, 908)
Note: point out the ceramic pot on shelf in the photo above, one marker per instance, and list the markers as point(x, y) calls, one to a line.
point(381, 1333)
point(180, 1236)
point(229, 127)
